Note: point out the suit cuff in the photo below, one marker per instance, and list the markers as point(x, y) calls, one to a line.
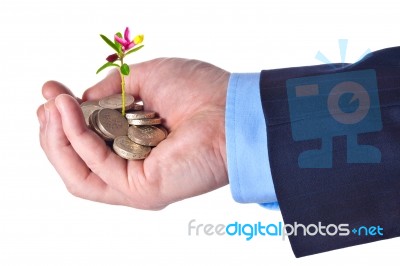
point(246, 139)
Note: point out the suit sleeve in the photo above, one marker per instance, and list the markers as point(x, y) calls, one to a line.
point(334, 150)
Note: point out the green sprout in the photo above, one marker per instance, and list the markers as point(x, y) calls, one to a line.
point(122, 46)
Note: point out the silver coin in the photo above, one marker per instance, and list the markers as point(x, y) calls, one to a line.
point(112, 123)
point(137, 107)
point(115, 101)
point(146, 135)
point(140, 115)
point(87, 110)
point(93, 125)
point(145, 122)
point(163, 129)
point(94, 102)
point(130, 150)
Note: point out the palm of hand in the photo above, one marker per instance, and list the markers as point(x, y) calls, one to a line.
point(190, 95)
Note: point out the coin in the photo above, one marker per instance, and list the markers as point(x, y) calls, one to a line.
point(145, 122)
point(94, 102)
point(130, 150)
point(88, 109)
point(163, 129)
point(115, 101)
point(92, 120)
point(146, 135)
point(93, 125)
point(137, 107)
point(140, 115)
point(111, 123)
point(130, 142)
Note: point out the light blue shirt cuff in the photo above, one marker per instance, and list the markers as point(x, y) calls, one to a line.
point(246, 139)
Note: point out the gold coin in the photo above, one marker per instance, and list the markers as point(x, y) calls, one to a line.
point(130, 150)
point(146, 135)
point(145, 122)
point(140, 115)
point(112, 123)
point(115, 101)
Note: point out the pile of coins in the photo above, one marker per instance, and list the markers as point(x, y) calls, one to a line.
point(132, 136)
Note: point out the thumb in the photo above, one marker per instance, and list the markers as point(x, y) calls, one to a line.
point(111, 84)
point(51, 89)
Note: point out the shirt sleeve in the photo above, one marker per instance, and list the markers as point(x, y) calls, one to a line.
point(246, 139)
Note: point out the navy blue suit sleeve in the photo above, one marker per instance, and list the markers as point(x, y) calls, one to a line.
point(334, 149)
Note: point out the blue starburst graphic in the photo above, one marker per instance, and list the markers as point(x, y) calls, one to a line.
point(343, 51)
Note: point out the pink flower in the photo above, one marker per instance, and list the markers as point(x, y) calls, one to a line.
point(126, 42)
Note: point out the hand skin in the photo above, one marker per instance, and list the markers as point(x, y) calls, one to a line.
point(189, 95)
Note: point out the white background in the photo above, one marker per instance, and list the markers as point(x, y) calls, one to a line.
point(41, 224)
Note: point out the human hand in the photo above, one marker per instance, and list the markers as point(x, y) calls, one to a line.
point(190, 95)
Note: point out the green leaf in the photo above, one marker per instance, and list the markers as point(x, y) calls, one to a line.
point(109, 42)
point(125, 69)
point(119, 46)
point(108, 64)
point(134, 50)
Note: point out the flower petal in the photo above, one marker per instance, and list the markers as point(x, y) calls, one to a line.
point(112, 58)
point(121, 41)
point(130, 46)
point(138, 39)
point(126, 34)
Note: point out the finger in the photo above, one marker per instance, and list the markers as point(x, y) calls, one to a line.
point(111, 168)
point(42, 123)
point(52, 89)
point(78, 178)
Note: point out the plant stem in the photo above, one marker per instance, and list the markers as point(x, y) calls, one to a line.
point(122, 92)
